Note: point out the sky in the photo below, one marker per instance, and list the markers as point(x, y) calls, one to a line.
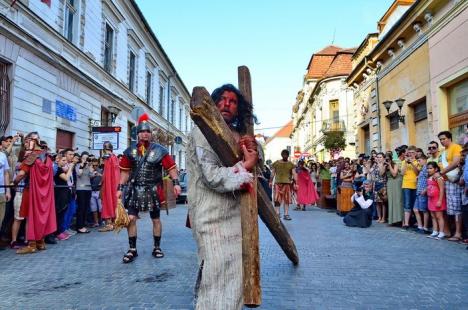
point(206, 40)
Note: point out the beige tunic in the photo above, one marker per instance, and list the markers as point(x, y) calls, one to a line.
point(214, 212)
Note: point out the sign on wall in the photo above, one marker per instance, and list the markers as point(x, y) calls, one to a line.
point(65, 111)
point(100, 135)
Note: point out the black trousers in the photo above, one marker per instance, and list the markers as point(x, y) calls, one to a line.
point(83, 200)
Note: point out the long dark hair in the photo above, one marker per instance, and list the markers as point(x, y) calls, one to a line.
point(244, 109)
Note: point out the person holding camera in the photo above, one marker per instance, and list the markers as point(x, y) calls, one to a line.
point(83, 192)
point(410, 170)
point(361, 213)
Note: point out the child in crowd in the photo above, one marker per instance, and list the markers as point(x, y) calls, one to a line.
point(420, 205)
point(436, 200)
point(96, 182)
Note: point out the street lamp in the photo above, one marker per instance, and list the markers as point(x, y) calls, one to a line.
point(400, 102)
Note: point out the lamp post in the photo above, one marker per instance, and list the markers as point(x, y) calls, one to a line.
point(400, 103)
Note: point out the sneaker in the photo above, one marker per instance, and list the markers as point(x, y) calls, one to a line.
point(63, 236)
point(71, 232)
point(440, 236)
point(433, 235)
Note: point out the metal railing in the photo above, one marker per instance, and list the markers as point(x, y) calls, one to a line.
point(333, 125)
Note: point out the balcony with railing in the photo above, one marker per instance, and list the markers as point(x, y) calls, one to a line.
point(333, 126)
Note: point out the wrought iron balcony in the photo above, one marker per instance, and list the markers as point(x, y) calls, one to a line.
point(333, 125)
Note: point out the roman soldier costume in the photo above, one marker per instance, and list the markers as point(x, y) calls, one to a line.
point(144, 190)
point(38, 204)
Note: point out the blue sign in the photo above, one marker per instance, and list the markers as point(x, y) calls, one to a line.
point(65, 111)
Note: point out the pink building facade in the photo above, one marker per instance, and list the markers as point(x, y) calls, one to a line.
point(448, 60)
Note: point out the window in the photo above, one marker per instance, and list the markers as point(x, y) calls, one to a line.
point(4, 97)
point(148, 87)
point(335, 114)
point(108, 48)
point(186, 123)
point(459, 98)
point(458, 109)
point(172, 116)
point(168, 110)
point(161, 100)
point(394, 121)
point(105, 117)
point(131, 72)
point(131, 134)
point(420, 111)
point(180, 118)
point(70, 16)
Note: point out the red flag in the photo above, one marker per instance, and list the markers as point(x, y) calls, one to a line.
point(48, 2)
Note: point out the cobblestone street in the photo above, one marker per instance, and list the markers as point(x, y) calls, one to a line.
point(340, 267)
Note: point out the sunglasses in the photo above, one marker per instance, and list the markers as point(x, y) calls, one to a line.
point(432, 148)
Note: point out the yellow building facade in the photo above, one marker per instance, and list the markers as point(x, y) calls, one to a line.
point(413, 83)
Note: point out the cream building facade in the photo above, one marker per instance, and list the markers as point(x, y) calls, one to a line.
point(69, 65)
point(325, 104)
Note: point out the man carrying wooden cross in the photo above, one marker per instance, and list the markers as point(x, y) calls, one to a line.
point(214, 195)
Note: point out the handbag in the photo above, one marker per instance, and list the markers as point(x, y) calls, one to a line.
point(452, 175)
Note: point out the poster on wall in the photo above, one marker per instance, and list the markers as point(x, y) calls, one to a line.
point(100, 135)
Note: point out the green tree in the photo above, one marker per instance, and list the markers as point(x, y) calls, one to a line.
point(335, 141)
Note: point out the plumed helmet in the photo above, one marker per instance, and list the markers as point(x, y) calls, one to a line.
point(107, 146)
point(143, 123)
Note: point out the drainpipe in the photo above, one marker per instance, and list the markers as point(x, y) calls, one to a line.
point(378, 107)
point(169, 108)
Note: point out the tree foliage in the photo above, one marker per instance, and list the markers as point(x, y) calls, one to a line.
point(335, 141)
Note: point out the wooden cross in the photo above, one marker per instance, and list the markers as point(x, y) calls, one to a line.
point(207, 117)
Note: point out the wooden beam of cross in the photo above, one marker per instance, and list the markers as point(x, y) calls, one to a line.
point(249, 213)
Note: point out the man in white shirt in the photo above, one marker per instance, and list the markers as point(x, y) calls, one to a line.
point(4, 180)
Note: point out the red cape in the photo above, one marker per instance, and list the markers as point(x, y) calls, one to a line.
point(41, 210)
point(110, 182)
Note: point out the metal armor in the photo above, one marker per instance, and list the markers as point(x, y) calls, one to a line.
point(142, 192)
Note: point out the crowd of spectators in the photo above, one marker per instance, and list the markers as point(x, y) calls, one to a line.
point(77, 181)
point(425, 191)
